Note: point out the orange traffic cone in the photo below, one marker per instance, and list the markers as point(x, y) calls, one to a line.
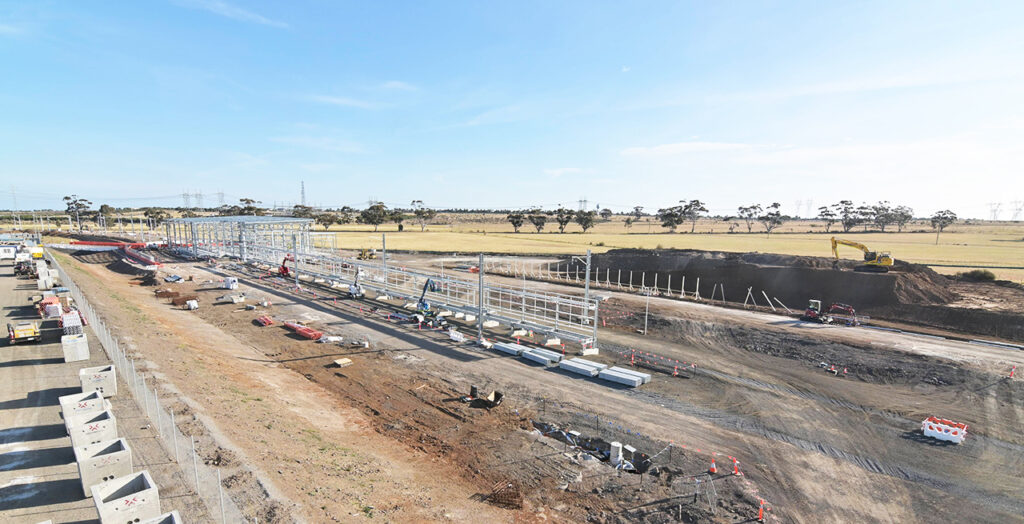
point(713, 469)
point(760, 510)
point(736, 467)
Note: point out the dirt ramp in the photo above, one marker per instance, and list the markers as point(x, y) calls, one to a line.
point(791, 279)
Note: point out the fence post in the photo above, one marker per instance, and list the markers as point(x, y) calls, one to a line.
point(174, 436)
point(220, 491)
point(156, 400)
point(195, 463)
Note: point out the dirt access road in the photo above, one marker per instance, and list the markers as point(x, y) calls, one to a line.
point(39, 477)
point(289, 450)
point(820, 448)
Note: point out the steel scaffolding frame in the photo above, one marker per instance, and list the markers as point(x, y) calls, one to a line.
point(276, 241)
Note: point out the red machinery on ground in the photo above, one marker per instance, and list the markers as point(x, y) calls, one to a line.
point(283, 271)
point(304, 331)
point(835, 314)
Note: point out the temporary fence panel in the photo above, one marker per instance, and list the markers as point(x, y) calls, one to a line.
point(205, 482)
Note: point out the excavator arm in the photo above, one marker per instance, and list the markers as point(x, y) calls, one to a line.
point(873, 261)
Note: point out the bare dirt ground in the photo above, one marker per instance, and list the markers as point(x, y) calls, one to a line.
point(387, 436)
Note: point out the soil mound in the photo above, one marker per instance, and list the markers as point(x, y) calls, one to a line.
point(791, 279)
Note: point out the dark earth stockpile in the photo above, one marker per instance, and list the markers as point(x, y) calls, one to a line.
point(909, 293)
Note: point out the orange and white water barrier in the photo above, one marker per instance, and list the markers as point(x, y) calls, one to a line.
point(943, 429)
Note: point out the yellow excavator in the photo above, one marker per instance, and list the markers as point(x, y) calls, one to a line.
point(874, 262)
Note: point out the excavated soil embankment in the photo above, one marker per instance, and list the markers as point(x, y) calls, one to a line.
point(791, 279)
point(910, 293)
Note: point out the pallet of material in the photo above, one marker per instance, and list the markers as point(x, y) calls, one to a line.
point(542, 356)
point(180, 301)
point(620, 378)
point(645, 377)
point(510, 348)
point(582, 367)
point(265, 320)
point(166, 293)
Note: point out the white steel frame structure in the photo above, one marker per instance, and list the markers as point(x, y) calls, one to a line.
point(279, 240)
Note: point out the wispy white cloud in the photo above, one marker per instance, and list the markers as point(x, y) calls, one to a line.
point(342, 101)
point(11, 30)
point(626, 69)
point(323, 143)
point(318, 167)
point(680, 148)
point(231, 11)
point(559, 171)
point(398, 85)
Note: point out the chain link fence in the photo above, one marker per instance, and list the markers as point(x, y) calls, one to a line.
point(205, 480)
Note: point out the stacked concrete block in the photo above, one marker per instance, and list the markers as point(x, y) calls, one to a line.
point(583, 367)
point(166, 518)
point(542, 356)
point(644, 377)
point(75, 347)
point(92, 428)
point(510, 348)
point(102, 379)
point(103, 461)
point(620, 378)
point(132, 498)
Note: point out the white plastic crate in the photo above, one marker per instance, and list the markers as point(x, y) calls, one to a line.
point(102, 379)
point(103, 461)
point(126, 499)
point(75, 347)
point(92, 428)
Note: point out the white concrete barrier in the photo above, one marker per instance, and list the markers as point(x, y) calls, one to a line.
point(126, 499)
point(75, 347)
point(102, 379)
point(644, 377)
point(81, 403)
point(92, 428)
point(166, 518)
point(620, 378)
point(103, 461)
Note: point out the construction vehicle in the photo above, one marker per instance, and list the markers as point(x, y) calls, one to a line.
point(874, 261)
point(283, 271)
point(367, 254)
point(422, 305)
point(24, 268)
point(23, 332)
point(836, 313)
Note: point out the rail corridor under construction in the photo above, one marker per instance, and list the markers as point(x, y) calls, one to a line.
point(286, 242)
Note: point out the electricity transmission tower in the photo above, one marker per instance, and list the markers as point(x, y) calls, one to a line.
point(995, 208)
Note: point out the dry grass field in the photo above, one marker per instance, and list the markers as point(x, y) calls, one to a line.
point(973, 244)
point(978, 244)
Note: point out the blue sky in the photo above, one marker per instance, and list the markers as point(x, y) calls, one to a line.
point(476, 104)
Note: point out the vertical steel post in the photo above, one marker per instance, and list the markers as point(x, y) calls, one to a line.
point(384, 260)
point(586, 285)
point(295, 250)
point(480, 300)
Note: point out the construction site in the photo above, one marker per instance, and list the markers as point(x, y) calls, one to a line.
point(318, 385)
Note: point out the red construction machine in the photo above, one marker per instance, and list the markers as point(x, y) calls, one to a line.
point(283, 271)
point(836, 313)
